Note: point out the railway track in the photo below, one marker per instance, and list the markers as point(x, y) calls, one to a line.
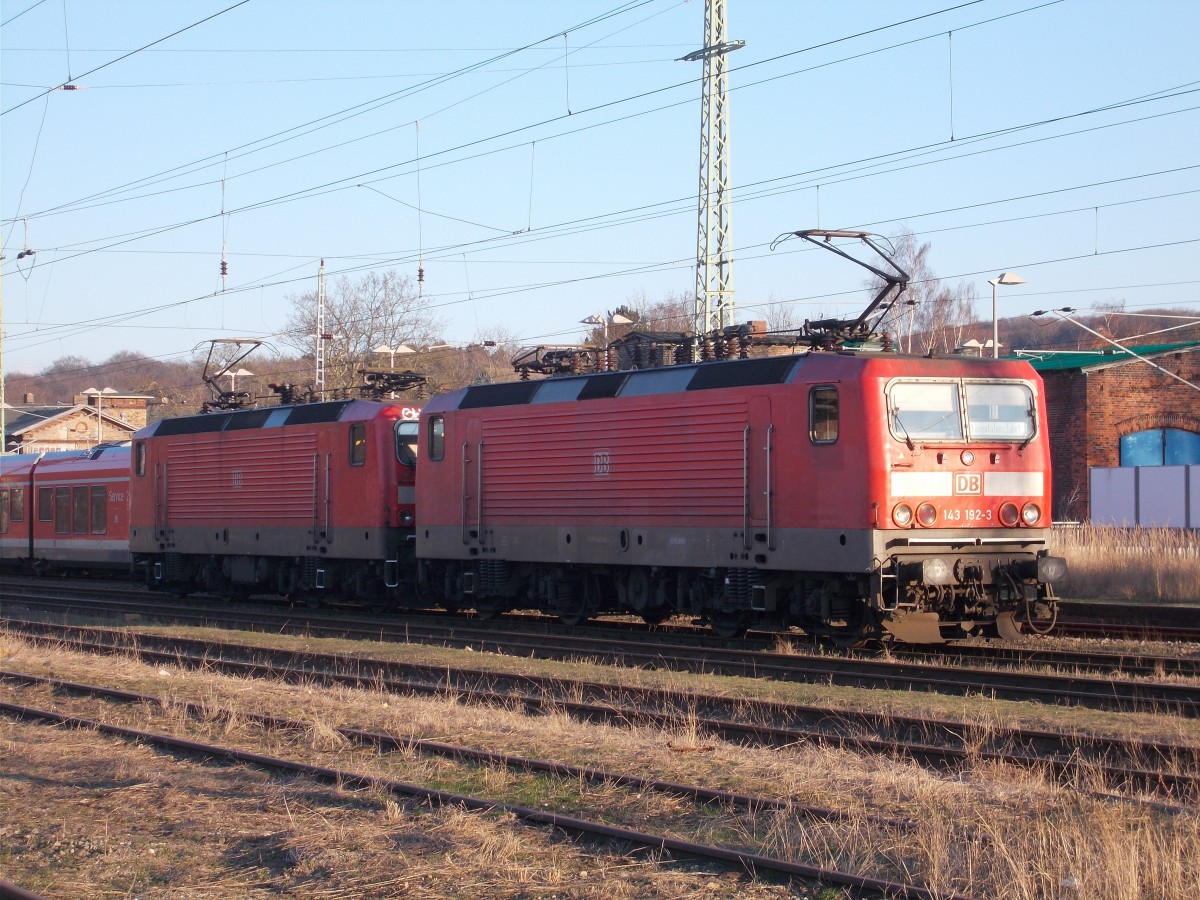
point(1148, 766)
point(589, 827)
point(910, 670)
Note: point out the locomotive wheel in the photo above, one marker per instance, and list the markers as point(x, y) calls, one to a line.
point(573, 619)
point(655, 618)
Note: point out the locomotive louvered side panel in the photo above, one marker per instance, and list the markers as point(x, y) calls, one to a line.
point(270, 480)
point(645, 462)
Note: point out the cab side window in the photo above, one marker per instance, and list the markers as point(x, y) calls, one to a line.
point(139, 458)
point(358, 444)
point(823, 414)
point(437, 437)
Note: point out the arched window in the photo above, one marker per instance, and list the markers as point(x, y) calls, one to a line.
point(1161, 447)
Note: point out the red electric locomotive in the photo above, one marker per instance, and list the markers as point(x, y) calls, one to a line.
point(305, 501)
point(854, 494)
point(66, 510)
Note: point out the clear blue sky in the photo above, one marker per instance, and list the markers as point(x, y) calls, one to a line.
point(558, 176)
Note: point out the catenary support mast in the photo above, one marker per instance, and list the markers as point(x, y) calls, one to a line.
point(714, 263)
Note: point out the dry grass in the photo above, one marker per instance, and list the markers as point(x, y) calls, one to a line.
point(83, 815)
point(1160, 564)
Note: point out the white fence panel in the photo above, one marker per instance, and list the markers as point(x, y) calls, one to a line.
point(1149, 496)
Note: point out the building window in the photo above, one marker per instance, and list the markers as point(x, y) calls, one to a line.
point(823, 415)
point(1161, 447)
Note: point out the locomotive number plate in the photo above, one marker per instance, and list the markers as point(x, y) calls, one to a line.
point(966, 515)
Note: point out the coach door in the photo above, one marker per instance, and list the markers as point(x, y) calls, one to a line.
point(472, 483)
point(757, 455)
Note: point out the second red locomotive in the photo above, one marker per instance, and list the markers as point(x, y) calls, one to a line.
point(306, 501)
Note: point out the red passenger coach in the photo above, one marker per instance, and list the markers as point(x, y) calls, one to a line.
point(67, 510)
point(854, 494)
point(314, 501)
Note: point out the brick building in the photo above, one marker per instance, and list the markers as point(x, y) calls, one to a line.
point(1107, 408)
point(93, 418)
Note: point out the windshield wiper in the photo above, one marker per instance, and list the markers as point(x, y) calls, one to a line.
point(907, 439)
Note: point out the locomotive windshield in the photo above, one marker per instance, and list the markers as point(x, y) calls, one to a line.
point(933, 411)
point(406, 442)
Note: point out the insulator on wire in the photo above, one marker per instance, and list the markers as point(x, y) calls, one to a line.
point(420, 276)
point(224, 267)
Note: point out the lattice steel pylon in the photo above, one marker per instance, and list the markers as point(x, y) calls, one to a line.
point(714, 264)
point(321, 337)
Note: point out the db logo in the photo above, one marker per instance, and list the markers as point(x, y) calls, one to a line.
point(408, 413)
point(600, 464)
point(968, 483)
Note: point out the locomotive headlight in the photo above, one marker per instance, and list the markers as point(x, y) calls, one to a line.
point(902, 514)
point(927, 514)
point(1030, 514)
point(1009, 515)
point(406, 517)
point(967, 457)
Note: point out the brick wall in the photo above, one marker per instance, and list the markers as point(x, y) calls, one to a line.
point(1091, 410)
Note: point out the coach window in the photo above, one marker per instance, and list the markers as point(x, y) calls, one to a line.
point(139, 458)
point(17, 499)
point(45, 504)
point(3, 511)
point(62, 510)
point(437, 437)
point(358, 444)
point(99, 509)
point(823, 414)
point(406, 443)
point(79, 510)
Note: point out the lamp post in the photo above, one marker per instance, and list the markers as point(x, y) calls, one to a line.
point(99, 395)
point(233, 377)
point(392, 351)
point(1002, 278)
point(614, 319)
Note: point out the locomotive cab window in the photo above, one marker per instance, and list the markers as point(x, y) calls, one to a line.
point(437, 437)
point(823, 414)
point(139, 458)
point(358, 444)
point(925, 410)
point(1002, 412)
point(406, 443)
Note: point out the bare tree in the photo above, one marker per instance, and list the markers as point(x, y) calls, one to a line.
point(929, 316)
point(377, 310)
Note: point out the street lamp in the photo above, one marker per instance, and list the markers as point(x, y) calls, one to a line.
point(614, 319)
point(384, 348)
point(233, 377)
point(99, 395)
point(1002, 278)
